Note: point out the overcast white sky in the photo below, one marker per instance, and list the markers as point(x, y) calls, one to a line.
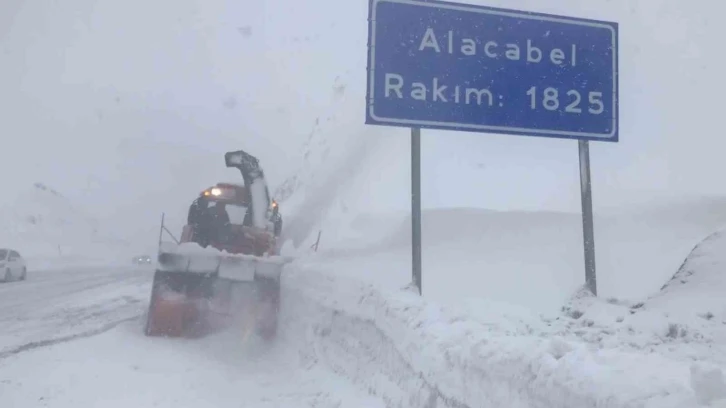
point(127, 107)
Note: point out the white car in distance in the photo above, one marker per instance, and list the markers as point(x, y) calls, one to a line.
point(12, 265)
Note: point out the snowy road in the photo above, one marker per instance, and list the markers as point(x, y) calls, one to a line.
point(74, 338)
point(53, 306)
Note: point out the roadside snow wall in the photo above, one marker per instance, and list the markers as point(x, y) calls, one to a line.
point(414, 354)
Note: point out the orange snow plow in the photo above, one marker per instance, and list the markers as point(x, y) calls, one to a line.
point(226, 267)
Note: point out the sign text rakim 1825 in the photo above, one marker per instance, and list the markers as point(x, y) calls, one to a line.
point(394, 83)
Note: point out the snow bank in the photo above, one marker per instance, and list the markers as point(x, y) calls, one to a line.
point(412, 353)
point(697, 288)
point(685, 321)
point(492, 269)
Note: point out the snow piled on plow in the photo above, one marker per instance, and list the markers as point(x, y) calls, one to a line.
point(210, 257)
point(190, 257)
point(195, 250)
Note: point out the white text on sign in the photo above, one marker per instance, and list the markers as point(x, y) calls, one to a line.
point(492, 49)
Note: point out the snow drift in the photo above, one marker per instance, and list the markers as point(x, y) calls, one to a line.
point(697, 288)
point(683, 321)
point(412, 353)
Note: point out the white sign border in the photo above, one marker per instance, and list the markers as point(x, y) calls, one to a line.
point(494, 129)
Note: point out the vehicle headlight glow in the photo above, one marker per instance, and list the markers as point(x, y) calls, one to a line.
point(216, 192)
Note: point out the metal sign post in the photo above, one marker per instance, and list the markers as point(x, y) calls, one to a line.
point(442, 65)
point(416, 207)
point(588, 230)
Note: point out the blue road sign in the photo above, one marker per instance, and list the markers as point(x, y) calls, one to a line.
point(461, 67)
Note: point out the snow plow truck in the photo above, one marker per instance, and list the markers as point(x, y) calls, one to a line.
point(226, 267)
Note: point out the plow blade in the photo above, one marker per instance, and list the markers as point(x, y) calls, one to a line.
point(198, 294)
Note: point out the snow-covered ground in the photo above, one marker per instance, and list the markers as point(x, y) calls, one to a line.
point(411, 353)
point(64, 304)
point(502, 320)
point(121, 368)
point(74, 338)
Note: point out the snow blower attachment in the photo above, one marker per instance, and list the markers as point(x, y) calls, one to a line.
point(226, 267)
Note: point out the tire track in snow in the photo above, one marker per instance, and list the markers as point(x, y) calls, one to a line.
point(51, 342)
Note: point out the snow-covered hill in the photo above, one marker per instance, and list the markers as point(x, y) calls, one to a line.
point(42, 210)
point(48, 229)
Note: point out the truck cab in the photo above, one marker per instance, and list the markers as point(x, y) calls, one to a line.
point(241, 234)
